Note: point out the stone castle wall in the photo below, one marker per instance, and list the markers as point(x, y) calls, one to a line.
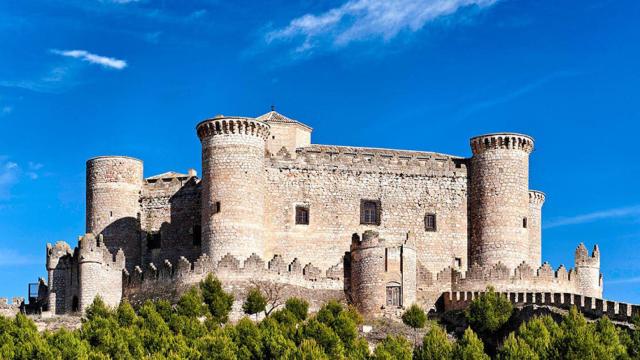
point(332, 181)
point(171, 207)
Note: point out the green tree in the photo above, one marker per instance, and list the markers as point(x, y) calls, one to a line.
point(218, 346)
point(609, 339)
point(218, 301)
point(125, 314)
point(248, 337)
point(298, 307)
point(97, 309)
point(489, 312)
point(537, 334)
point(310, 350)
point(393, 348)
point(255, 302)
point(470, 347)
point(191, 304)
point(435, 345)
point(415, 318)
point(325, 337)
point(515, 348)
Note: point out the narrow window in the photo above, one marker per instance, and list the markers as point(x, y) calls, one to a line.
point(394, 295)
point(216, 207)
point(524, 223)
point(430, 222)
point(197, 235)
point(370, 212)
point(302, 215)
point(458, 262)
point(153, 240)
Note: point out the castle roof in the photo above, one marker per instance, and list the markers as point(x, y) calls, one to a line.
point(167, 175)
point(275, 117)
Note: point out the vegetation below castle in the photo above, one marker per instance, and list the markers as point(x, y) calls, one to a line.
point(196, 328)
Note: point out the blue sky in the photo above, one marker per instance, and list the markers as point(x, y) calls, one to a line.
point(80, 78)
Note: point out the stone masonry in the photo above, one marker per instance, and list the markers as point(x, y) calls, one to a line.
point(379, 228)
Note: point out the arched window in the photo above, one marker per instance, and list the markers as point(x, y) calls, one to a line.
point(394, 294)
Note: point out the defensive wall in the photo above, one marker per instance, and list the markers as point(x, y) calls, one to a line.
point(590, 306)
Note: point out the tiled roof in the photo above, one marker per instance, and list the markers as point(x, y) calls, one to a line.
point(275, 117)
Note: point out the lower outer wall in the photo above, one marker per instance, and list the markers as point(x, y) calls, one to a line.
point(172, 290)
point(96, 279)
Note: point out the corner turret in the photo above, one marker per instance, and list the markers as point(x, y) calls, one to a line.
point(534, 225)
point(588, 270)
point(100, 272)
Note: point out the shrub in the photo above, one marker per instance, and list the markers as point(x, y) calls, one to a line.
point(435, 345)
point(298, 307)
point(254, 303)
point(489, 312)
point(218, 301)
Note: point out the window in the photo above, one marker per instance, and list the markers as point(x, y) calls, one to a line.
point(153, 240)
point(197, 235)
point(524, 223)
point(216, 207)
point(458, 262)
point(394, 293)
point(430, 222)
point(302, 215)
point(370, 212)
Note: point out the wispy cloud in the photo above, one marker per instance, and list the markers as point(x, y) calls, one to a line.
point(358, 20)
point(630, 280)
point(514, 94)
point(9, 174)
point(10, 257)
point(58, 79)
point(84, 55)
point(6, 110)
point(625, 212)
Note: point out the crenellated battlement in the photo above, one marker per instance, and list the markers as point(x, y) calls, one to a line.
point(584, 259)
point(371, 159)
point(230, 268)
point(590, 306)
point(224, 125)
point(93, 249)
point(506, 141)
point(536, 198)
point(58, 253)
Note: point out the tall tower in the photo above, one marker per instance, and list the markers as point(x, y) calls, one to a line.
point(233, 189)
point(534, 224)
point(588, 270)
point(114, 184)
point(499, 199)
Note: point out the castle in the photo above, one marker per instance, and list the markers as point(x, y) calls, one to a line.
point(379, 228)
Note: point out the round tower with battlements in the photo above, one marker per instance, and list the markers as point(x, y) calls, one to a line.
point(383, 274)
point(114, 184)
point(233, 186)
point(534, 224)
point(588, 271)
point(499, 199)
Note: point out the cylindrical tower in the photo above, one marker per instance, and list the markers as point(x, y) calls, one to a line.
point(233, 189)
point(90, 270)
point(499, 199)
point(534, 224)
point(588, 269)
point(367, 273)
point(114, 184)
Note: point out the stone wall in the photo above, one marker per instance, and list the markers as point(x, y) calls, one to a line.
point(534, 223)
point(332, 181)
point(100, 272)
point(592, 307)
point(171, 207)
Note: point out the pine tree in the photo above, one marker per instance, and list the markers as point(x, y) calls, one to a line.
point(470, 347)
point(255, 302)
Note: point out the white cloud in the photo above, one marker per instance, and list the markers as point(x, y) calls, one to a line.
point(9, 174)
point(84, 55)
point(625, 212)
point(56, 80)
point(358, 20)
